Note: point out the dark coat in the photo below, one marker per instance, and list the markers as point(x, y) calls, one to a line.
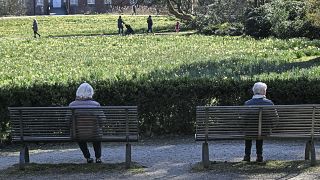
point(149, 21)
point(129, 29)
point(120, 23)
point(35, 26)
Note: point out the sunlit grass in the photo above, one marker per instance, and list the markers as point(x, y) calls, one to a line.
point(64, 60)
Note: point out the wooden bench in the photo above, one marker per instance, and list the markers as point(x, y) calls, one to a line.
point(258, 122)
point(71, 124)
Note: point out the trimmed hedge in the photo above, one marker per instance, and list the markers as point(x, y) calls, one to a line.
point(166, 106)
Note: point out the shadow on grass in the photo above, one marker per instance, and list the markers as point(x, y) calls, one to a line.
point(233, 68)
point(286, 169)
point(158, 30)
point(69, 168)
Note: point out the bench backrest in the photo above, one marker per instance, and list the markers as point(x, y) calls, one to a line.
point(252, 122)
point(106, 123)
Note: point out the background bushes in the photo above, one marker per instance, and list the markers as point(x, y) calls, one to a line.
point(282, 19)
point(279, 18)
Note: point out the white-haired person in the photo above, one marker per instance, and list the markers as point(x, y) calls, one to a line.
point(259, 98)
point(84, 99)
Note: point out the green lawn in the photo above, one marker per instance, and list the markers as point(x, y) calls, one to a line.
point(21, 27)
point(74, 59)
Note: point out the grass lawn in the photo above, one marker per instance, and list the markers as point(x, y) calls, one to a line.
point(77, 25)
point(74, 59)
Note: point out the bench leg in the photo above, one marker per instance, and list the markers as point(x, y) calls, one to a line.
point(205, 155)
point(307, 151)
point(128, 155)
point(24, 157)
point(313, 153)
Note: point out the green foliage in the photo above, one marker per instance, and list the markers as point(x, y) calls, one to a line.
point(232, 29)
point(257, 25)
point(281, 18)
point(221, 17)
point(12, 7)
point(314, 12)
point(160, 74)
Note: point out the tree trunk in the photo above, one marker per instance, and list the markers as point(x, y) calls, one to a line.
point(179, 13)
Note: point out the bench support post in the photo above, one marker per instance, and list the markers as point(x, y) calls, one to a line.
point(205, 155)
point(313, 153)
point(310, 152)
point(128, 155)
point(24, 157)
point(307, 151)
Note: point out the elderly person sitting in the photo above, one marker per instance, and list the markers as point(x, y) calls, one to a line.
point(259, 98)
point(84, 99)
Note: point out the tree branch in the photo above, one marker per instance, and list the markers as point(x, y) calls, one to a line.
point(181, 15)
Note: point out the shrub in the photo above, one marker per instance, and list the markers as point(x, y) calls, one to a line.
point(221, 17)
point(281, 18)
point(232, 29)
point(257, 25)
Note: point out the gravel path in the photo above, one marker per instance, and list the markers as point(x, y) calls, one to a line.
point(170, 158)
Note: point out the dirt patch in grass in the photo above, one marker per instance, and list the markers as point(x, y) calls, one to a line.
point(266, 167)
point(69, 168)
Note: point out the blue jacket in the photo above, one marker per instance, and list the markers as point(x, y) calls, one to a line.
point(84, 103)
point(258, 101)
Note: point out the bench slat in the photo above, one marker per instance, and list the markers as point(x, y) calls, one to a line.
point(55, 123)
point(239, 121)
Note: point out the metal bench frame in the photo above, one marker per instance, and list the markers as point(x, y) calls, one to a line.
point(32, 124)
point(213, 123)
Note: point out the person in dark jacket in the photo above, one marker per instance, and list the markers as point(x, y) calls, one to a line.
point(120, 25)
point(259, 98)
point(84, 99)
point(134, 11)
point(35, 28)
point(129, 29)
point(150, 23)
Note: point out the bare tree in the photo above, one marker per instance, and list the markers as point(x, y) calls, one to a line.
point(180, 9)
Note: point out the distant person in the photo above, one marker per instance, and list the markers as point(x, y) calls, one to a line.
point(84, 99)
point(35, 28)
point(177, 27)
point(134, 10)
point(120, 25)
point(129, 29)
point(259, 98)
point(150, 24)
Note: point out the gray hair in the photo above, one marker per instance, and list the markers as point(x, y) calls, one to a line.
point(259, 88)
point(84, 91)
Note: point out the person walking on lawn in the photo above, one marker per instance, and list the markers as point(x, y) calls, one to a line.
point(120, 25)
point(150, 24)
point(35, 28)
